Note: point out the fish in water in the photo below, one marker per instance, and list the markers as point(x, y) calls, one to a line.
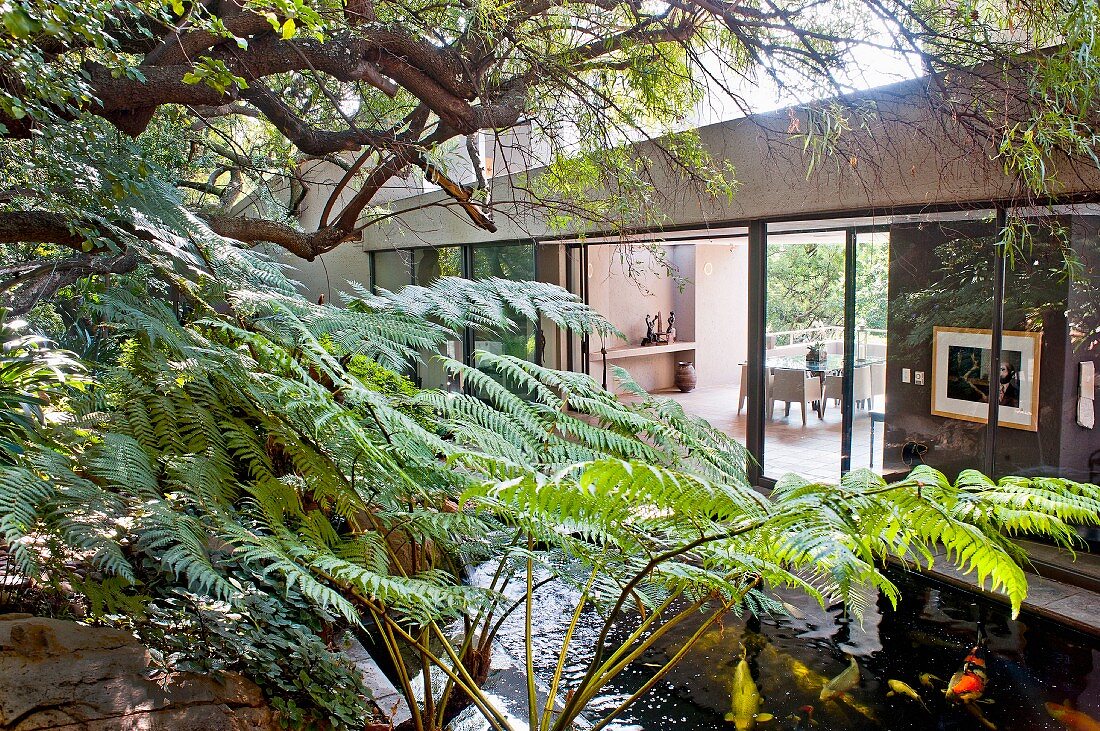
point(1075, 720)
point(745, 706)
point(977, 713)
point(899, 688)
point(804, 722)
point(841, 684)
point(807, 679)
point(968, 684)
point(926, 679)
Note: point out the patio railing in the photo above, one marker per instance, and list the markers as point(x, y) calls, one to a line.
point(822, 333)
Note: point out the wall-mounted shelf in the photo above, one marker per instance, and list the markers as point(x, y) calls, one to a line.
point(640, 351)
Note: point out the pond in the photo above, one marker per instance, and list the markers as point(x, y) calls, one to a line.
point(1032, 663)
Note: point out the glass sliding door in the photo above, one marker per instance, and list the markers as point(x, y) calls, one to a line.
point(870, 341)
point(1051, 331)
point(1070, 348)
point(910, 303)
point(576, 281)
point(939, 331)
point(803, 354)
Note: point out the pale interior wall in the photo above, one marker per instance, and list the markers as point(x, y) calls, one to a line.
point(721, 315)
point(710, 308)
point(683, 294)
point(626, 302)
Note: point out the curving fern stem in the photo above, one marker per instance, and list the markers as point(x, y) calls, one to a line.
point(234, 448)
point(827, 540)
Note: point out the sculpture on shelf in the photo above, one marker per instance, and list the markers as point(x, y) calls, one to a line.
point(650, 338)
point(660, 337)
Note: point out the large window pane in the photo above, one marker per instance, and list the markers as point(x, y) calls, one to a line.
point(941, 281)
point(1052, 308)
point(871, 340)
point(429, 265)
point(392, 269)
point(514, 263)
point(437, 262)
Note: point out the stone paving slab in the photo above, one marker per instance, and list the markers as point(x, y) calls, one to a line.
point(1083, 607)
point(389, 701)
point(1041, 593)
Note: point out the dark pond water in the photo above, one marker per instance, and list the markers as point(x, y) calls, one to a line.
point(1032, 662)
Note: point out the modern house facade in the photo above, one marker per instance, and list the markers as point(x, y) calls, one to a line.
point(925, 303)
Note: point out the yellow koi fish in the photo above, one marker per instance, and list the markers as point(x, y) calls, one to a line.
point(807, 679)
point(926, 679)
point(1074, 720)
point(745, 699)
point(899, 688)
point(842, 683)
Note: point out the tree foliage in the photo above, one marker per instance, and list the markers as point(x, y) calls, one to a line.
point(806, 285)
point(249, 107)
point(244, 464)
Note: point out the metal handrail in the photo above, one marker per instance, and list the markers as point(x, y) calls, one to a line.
point(799, 336)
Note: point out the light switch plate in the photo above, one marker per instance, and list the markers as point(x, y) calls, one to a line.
point(918, 378)
point(905, 373)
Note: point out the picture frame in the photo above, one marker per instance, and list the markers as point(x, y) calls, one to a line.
point(961, 360)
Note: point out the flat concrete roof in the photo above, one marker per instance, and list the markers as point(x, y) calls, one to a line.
point(901, 154)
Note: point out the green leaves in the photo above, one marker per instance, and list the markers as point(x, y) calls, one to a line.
point(215, 74)
point(31, 369)
point(18, 23)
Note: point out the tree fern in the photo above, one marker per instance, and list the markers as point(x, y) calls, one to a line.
point(233, 448)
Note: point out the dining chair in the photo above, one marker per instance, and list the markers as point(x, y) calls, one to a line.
point(862, 391)
point(794, 387)
point(878, 383)
point(743, 389)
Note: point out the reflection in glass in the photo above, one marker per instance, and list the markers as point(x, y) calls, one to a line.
point(1051, 289)
point(437, 262)
point(392, 269)
point(940, 275)
point(871, 340)
point(429, 265)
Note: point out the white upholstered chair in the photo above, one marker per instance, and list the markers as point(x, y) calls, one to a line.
point(862, 390)
point(793, 386)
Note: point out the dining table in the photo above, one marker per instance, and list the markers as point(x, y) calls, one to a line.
point(832, 365)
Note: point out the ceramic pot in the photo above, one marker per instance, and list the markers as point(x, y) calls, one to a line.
point(685, 377)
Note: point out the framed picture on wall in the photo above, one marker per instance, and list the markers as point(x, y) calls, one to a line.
point(961, 381)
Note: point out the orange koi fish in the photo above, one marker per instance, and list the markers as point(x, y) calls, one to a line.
point(968, 684)
point(1074, 720)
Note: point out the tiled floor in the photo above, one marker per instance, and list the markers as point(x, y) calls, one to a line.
point(812, 451)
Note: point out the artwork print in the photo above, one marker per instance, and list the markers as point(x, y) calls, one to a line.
point(963, 381)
